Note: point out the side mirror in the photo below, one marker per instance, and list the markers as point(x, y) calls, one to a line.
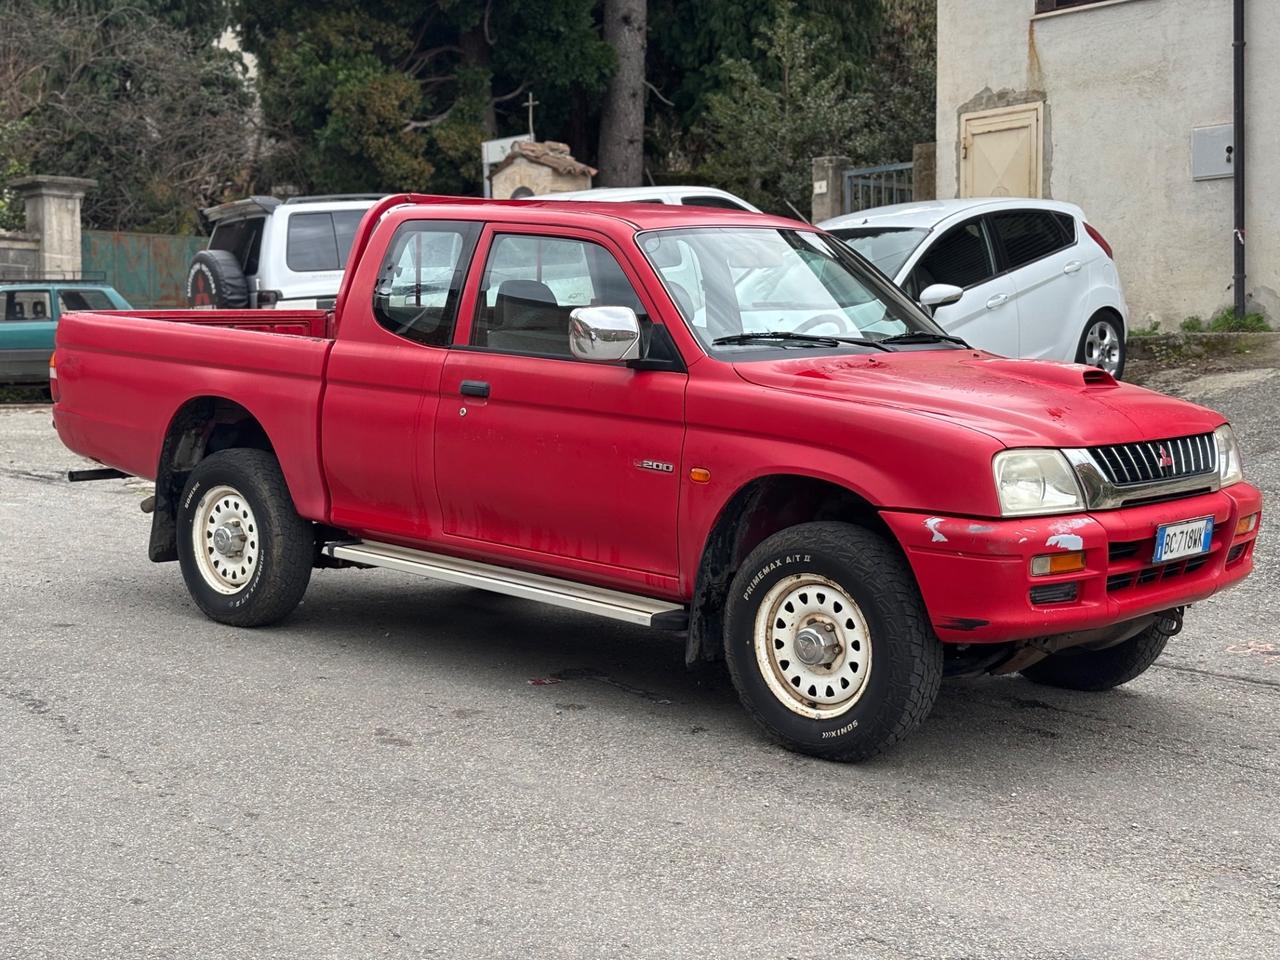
point(940, 294)
point(604, 334)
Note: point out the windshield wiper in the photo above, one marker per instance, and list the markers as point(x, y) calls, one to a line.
point(787, 335)
point(923, 336)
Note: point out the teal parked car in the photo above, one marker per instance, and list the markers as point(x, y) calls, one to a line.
point(29, 312)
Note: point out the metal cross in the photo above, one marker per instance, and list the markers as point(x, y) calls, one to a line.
point(531, 103)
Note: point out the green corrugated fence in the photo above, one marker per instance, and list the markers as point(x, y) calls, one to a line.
point(149, 269)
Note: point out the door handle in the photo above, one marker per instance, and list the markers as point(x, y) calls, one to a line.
point(474, 388)
point(1073, 266)
point(998, 300)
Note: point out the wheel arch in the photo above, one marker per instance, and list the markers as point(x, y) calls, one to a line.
point(755, 511)
point(201, 426)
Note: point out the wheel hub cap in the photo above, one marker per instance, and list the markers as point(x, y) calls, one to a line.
point(817, 645)
point(229, 539)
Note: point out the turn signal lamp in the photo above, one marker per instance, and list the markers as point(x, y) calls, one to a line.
point(1247, 524)
point(53, 378)
point(1050, 563)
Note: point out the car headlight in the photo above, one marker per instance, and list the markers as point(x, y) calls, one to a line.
point(1035, 482)
point(1230, 466)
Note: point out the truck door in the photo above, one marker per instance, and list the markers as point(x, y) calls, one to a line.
point(540, 455)
point(383, 380)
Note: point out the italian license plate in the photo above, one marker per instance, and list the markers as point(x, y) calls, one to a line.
point(1189, 538)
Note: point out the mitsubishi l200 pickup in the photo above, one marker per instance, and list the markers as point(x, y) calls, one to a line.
point(714, 422)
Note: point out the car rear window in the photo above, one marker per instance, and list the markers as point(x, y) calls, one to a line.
point(721, 203)
point(886, 247)
point(320, 241)
point(242, 238)
point(1028, 235)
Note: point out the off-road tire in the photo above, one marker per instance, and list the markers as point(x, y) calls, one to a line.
point(284, 560)
point(215, 281)
point(1098, 670)
point(905, 669)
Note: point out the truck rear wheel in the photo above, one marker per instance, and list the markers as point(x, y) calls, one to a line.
point(828, 642)
point(245, 553)
point(1096, 670)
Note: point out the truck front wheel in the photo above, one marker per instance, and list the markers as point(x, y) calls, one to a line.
point(828, 642)
point(245, 553)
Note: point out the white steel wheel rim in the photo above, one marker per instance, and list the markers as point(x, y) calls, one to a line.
point(226, 539)
point(1102, 347)
point(810, 604)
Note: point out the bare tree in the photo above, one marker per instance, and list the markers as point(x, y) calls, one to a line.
point(159, 118)
point(622, 120)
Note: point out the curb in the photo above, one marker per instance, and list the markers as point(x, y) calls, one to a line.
point(1173, 347)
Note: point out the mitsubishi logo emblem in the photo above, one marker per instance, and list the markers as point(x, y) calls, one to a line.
point(1166, 461)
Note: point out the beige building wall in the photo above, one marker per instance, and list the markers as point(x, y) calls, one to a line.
point(1123, 84)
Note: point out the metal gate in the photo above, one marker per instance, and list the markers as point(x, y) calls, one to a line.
point(876, 186)
point(149, 269)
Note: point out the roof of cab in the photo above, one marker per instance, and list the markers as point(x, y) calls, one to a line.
point(641, 216)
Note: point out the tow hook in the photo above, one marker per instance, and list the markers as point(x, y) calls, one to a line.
point(1171, 621)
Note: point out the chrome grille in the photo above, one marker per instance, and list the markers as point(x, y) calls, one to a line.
point(1130, 463)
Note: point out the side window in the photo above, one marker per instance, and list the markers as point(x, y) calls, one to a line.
point(1027, 235)
point(721, 203)
point(961, 257)
point(25, 305)
point(84, 300)
point(421, 279)
point(311, 244)
point(532, 284)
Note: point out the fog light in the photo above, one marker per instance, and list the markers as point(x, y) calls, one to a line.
point(1055, 593)
point(1048, 563)
point(1247, 524)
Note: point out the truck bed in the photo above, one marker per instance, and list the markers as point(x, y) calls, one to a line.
point(123, 376)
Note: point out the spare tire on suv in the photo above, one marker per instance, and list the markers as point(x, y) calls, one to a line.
point(216, 282)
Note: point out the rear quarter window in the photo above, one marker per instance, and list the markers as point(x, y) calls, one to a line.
point(1027, 235)
point(320, 241)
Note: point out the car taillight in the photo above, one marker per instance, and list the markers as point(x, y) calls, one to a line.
point(53, 378)
point(1099, 239)
point(268, 298)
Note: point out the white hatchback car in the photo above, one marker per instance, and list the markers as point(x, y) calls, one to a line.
point(680, 196)
point(1017, 277)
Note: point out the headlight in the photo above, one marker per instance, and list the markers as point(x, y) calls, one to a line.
point(1230, 466)
point(1035, 482)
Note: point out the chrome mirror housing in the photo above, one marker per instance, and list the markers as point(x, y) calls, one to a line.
point(604, 334)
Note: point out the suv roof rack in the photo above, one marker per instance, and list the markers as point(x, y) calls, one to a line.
point(322, 198)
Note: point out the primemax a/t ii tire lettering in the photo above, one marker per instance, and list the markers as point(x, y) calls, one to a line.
point(245, 554)
point(828, 642)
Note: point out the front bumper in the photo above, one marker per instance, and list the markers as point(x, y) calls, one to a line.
point(975, 575)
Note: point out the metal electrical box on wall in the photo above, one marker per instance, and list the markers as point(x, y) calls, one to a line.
point(1211, 150)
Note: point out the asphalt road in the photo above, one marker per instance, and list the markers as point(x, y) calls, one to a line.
point(379, 777)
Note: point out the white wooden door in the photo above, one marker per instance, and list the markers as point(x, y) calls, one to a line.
point(1001, 152)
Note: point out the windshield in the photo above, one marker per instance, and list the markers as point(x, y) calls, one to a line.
point(732, 282)
point(886, 247)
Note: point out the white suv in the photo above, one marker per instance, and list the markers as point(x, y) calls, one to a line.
point(272, 253)
point(1017, 277)
point(680, 196)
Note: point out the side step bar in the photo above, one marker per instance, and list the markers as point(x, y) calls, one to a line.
point(614, 604)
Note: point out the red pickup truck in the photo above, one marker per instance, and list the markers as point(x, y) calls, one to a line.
point(706, 421)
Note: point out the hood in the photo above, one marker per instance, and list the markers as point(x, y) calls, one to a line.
point(1021, 403)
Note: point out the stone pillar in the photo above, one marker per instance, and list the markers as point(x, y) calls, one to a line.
point(924, 179)
point(53, 214)
point(828, 187)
